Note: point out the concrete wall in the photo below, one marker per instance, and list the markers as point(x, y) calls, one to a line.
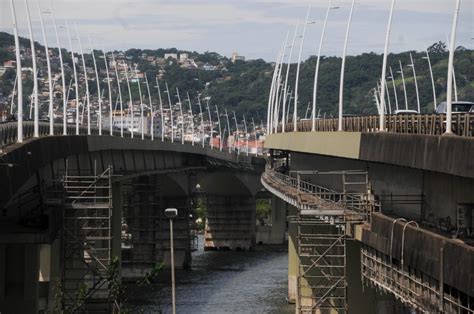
point(446, 154)
point(441, 192)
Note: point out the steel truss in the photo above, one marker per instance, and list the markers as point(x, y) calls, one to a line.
point(86, 239)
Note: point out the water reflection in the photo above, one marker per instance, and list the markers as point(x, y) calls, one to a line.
point(223, 282)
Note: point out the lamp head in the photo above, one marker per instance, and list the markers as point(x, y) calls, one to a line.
point(171, 213)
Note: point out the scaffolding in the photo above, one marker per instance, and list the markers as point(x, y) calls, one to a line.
point(321, 280)
point(86, 240)
point(324, 224)
point(325, 221)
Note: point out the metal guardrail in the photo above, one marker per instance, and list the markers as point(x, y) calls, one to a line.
point(352, 201)
point(8, 136)
point(428, 124)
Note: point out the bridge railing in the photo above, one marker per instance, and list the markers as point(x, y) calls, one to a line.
point(354, 201)
point(9, 136)
point(428, 124)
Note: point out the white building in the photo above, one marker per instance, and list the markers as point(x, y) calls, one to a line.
point(183, 57)
point(171, 55)
point(236, 57)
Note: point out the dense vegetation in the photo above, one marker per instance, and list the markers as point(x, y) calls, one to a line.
point(244, 86)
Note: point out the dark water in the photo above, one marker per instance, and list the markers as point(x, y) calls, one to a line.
point(223, 282)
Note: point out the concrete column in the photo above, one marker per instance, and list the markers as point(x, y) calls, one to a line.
point(279, 220)
point(142, 217)
point(148, 235)
point(293, 260)
point(230, 222)
point(20, 284)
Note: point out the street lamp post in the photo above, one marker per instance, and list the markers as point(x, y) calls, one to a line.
point(86, 81)
point(255, 137)
point(237, 132)
point(99, 97)
point(388, 99)
point(290, 97)
point(192, 119)
point(275, 89)
point(279, 94)
point(380, 93)
point(283, 120)
point(152, 124)
point(172, 213)
point(19, 74)
point(76, 81)
point(181, 113)
point(412, 65)
point(455, 85)
point(432, 78)
point(449, 94)
point(211, 125)
point(316, 72)
point(220, 128)
point(341, 84)
point(171, 111)
point(130, 102)
point(161, 111)
point(394, 88)
point(48, 64)
point(111, 122)
point(35, 73)
point(271, 96)
point(228, 126)
point(384, 68)
point(295, 109)
point(246, 136)
point(202, 119)
point(120, 93)
point(63, 77)
point(404, 85)
point(142, 123)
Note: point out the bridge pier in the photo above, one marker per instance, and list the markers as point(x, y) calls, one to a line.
point(230, 222)
point(293, 259)
point(146, 230)
point(19, 280)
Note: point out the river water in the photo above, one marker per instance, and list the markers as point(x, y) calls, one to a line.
point(223, 282)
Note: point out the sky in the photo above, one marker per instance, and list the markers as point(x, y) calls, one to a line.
point(255, 29)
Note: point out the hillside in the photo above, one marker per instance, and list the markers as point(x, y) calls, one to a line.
point(243, 86)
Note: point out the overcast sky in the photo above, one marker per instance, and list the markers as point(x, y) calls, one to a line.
point(253, 28)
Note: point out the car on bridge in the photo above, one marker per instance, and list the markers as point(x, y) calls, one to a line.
point(405, 112)
point(457, 107)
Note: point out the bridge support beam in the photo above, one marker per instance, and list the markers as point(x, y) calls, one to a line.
point(230, 222)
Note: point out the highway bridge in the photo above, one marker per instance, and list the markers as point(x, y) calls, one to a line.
point(367, 210)
point(404, 195)
point(70, 204)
